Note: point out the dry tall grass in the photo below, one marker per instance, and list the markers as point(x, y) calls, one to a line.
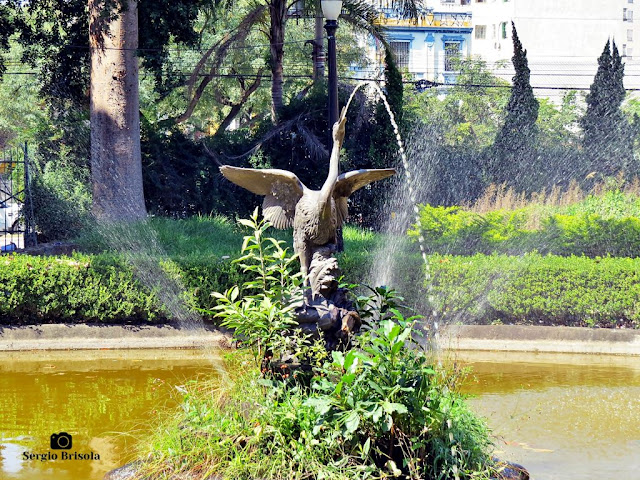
point(499, 197)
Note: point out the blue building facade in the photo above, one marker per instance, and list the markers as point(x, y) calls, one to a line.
point(428, 48)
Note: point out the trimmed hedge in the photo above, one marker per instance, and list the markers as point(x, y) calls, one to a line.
point(535, 289)
point(532, 289)
point(101, 288)
point(76, 290)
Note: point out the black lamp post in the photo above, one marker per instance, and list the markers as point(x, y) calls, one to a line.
point(331, 10)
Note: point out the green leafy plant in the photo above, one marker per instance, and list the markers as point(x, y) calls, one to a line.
point(537, 289)
point(381, 303)
point(387, 404)
point(596, 226)
point(263, 318)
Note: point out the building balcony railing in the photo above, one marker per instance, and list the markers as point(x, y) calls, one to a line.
point(391, 18)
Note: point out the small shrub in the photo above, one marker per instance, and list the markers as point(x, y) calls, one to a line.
point(61, 201)
point(386, 405)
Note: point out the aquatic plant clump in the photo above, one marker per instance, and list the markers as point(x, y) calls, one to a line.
point(381, 409)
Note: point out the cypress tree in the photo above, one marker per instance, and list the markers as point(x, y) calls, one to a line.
point(514, 146)
point(607, 141)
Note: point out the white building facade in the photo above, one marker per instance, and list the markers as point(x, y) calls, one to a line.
point(563, 39)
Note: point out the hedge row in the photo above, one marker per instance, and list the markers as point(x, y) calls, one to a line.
point(536, 289)
point(454, 231)
point(532, 289)
point(103, 288)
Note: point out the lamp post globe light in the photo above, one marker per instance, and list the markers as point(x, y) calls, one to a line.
point(331, 11)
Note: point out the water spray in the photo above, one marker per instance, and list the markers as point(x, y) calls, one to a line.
point(412, 197)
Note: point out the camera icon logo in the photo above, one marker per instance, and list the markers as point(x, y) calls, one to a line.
point(61, 441)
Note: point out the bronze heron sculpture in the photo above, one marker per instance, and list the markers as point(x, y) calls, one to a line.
point(314, 214)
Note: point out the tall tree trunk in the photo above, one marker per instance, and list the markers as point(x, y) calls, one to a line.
point(277, 15)
point(318, 47)
point(116, 165)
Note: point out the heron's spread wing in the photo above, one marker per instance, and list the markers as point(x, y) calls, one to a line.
point(349, 182)
point(281, 190)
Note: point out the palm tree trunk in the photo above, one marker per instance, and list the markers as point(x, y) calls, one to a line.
point(116, 165)
point(277, 15)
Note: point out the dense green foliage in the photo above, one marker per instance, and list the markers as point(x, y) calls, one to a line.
point(75, 290)
point(61, 200)
point(388, 403)
point(197, 254)
point(459, 138)
point(597, 226)
point(380, 408)
point(536, 289)
point(480, 131)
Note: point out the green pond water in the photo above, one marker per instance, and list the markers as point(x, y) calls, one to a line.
point(562, 416)
point(105, 400)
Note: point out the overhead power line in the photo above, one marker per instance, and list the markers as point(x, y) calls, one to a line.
point(187, 49)
point(370, 79)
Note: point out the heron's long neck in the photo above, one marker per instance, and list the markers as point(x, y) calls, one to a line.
point(329, 183)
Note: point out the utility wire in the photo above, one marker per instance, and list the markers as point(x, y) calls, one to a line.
point(412, 82)
point(186, 49)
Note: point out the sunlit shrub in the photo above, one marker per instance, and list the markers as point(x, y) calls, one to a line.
point(598, 226)
point(80, 289)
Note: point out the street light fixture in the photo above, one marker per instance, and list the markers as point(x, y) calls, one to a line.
point(331, 10)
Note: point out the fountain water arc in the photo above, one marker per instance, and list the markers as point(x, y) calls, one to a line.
point(412, 195)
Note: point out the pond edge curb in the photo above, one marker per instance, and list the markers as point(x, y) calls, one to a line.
point(524, 338)
point(100, 337)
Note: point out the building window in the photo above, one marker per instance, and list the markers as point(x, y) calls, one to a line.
point(481, 32)
point(629, 53)
point(629, 35)
point(627, 15)
point(630, 1)
point(503, 29)
point(401, 53)
point(451, 56)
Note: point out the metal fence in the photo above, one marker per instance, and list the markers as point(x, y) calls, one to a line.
point(17, 227)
